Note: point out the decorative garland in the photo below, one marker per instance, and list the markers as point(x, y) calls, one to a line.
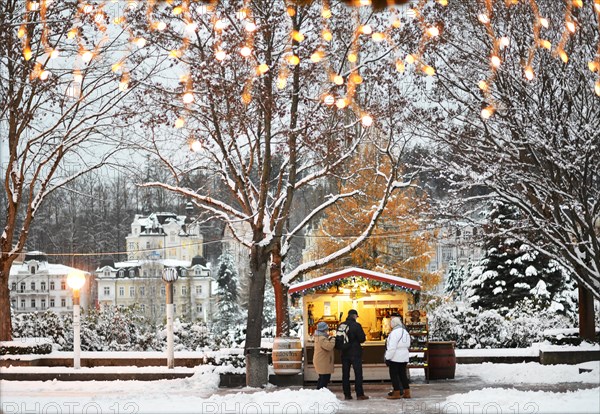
point(351, 282)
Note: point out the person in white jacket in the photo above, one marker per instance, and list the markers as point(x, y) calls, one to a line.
point(396, 358)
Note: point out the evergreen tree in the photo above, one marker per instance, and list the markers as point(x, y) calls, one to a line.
point(454, 279)
point(512, 273)
point(228, 310)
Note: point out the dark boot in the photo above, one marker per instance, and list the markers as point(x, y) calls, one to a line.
point(406, 394)
point(395, 395)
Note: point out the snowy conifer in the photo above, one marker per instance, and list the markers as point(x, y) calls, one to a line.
point(228, 310)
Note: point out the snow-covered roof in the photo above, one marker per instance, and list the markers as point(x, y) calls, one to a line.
point(353, 272)
point(44, 268)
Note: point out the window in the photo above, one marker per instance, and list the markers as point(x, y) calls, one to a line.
point(13, 287)
point(32, 270)
point(32, 285)
point(145, 273)
point(106, 290)
point(163, 291)
point(131, 291)
point(174, 309)
point(131, 273)
point(183, 290)
point(43, 286)
point(63, 285)
point(143, 308)
point(153, 291)
point(121, 291)
point(43, 304)
point(22, 287)
point(183, 309)
point(199, 309)
point(13, 303)
point(198, 271)
point(22, 303)
point(51, 303)
point(63, 302)
point(52, 285)
point(162, 308)
point(33, 303)
point(142, 291)
point(198, 290)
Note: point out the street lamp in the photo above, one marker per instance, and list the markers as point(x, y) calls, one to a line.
point(76, 280)
point(170, 276)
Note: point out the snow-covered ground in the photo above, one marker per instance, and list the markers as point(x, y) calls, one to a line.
point(200, 393)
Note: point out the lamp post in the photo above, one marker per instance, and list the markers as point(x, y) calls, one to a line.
point(170, 276)
point(75, 281)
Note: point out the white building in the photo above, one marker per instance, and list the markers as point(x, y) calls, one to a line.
point(36, 285)
point(164, 236)
point(139, 282)
point(157, 242)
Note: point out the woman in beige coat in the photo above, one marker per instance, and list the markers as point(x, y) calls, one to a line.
point(323, 356)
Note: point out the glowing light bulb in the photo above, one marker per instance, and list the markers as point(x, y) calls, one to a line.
point(87, 56)
point(365, 2)
point(328, 100)
point(483, 18)
point(396, 23)
point(245, 51)
point(220, 24)
point(263, 68)
point(179, 123)
point(429, 70)
point(21, 32)
point(433, 31)
point(545, 44)
point(196, 146)
point(177, 10)
point(123, 85)
point(140, 42)
point(297, 36)
point(571, 26)
point(72, 33)
point(191, 27)
point(563, 56)
point(54, 53)
point(188, 97)
point(578, 3)
point(504, 42)
point(366, 120)
point(495, 60)
point(593, 66)
point(544, 22)
point(326, 13)
point(483, 85)
point(378, 37)
point(341, 103)
point(161, 26)
point(293, 60)
point(220, 55)
point(529, 75)
point(352, 57)
point(338, 80)
point(116, 66)
point(44, 75)
point(400, 66)
point(291, 11)
point(250, 27)
point(326, 35)
point(88, 8)
point(410, 59)
point(366, 29)
point(487, 112)
point(316, 56)
point(597, 88)
point(241, 14)
point(77, 76)
point(281, 82)
point(443, 2)
point(356, 78)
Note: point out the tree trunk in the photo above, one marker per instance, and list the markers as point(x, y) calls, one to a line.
point(256, 295)
point(5, 320)
point(586, 314)
point(282, 311)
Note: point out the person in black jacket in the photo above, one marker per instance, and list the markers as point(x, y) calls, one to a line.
point(352, 356)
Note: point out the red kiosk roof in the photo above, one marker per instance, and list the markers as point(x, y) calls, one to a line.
point(354, 271)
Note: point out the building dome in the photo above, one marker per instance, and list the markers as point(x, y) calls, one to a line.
point(35, 255)
point(198, 260)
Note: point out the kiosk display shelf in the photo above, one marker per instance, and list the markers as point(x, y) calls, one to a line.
point(419, 332)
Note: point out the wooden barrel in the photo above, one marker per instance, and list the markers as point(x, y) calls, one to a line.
point(442, 360)
point(287, 355)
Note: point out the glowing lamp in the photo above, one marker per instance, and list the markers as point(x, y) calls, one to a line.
point(76, 280)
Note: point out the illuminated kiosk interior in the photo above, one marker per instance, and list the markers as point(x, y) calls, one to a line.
point(376, 296)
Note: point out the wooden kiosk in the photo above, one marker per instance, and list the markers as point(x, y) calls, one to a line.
point(376, 296)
